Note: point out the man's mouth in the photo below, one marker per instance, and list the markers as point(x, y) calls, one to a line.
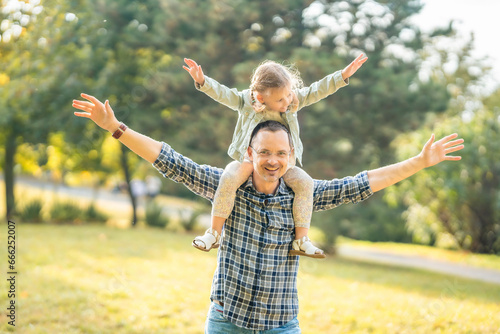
point(271, 169)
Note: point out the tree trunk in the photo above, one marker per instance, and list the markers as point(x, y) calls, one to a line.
point(126, 172)
point(10, 152)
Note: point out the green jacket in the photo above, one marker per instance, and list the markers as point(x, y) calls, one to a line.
point(248, 118)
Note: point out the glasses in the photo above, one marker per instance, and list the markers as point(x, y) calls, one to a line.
point(268, 154)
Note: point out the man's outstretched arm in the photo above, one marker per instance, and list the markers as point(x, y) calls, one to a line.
point(432, 154)
point(102, 114)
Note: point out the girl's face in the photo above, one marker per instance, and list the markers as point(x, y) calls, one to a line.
point(276, 99)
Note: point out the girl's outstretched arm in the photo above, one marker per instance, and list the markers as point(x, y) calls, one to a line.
point(329, 84)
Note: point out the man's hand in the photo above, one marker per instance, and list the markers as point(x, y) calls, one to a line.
point(195, 71)
point(434, 153)
point(100, 113)
point(354, 66)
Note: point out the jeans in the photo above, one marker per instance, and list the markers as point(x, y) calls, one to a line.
point(217, 324)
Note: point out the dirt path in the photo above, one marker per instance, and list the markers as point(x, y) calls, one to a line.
point(445, 267)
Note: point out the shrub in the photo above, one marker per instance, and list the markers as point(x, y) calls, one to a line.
point(66, 212)
point(154, 215)
point(94, 215)
point(32, 211)
point(189, 221)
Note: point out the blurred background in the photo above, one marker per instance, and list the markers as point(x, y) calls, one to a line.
point(433, 68)
point(424, 75)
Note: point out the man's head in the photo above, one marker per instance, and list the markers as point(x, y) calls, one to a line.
point(270, 151)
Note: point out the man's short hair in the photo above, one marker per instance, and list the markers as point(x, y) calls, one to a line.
point(272, 126)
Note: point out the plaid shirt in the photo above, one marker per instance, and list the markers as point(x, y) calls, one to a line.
point(255, 278)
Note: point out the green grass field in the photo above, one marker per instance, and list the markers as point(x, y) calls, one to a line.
point(98, 279)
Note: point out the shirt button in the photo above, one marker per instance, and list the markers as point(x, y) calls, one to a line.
point(266, 202)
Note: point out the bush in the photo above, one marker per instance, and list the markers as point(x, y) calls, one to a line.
point(189, 221)
point(154, 216)
point(32, 211)
point(94, 215)
point(66, 212)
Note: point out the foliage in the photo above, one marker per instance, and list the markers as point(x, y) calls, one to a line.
point(93, 214)
point(190, 220)
point(32, 211)
point(66, 212)
point(131, 53)
point(458, 201)
point(155, 216)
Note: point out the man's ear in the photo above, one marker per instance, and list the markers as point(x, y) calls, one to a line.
point(250, 153)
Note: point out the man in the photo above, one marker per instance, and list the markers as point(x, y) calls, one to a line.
point(255, 284)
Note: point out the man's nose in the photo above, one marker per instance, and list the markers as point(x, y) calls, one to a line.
point(272, 159)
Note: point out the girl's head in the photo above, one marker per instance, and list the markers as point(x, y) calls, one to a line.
point(272, 85)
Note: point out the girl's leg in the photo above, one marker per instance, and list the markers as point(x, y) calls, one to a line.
point(303, 187)
point(235, 174)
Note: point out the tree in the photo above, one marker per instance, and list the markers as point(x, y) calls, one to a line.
point(44, 69)
point(458, 206)
point(17, 78)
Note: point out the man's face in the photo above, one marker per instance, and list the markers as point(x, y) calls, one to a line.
point(270, 153)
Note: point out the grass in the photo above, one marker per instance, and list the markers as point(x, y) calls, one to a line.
point(488, 261)
point(99, 279)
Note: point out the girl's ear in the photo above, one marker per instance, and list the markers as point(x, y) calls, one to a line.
point(259, 97)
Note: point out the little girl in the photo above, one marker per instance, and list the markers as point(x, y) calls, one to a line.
point(275, 93)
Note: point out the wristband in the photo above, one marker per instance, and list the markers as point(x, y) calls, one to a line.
point(117, 134)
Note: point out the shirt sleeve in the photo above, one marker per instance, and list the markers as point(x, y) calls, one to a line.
point(329, 194)
point(200, 179)
point(231, 98)
point(320, 89)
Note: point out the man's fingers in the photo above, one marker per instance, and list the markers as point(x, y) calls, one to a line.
point(82, 114)
point(429, 142)
point(83, 103)
point(453, 149)
point(447, 138)
point(453, 158)
point(91, 98)
point(107, 106)
point(453, 143)
point(85, 109)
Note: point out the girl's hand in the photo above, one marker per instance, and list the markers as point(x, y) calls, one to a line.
point(353, 67)
point(100, 113)
point(294, 106)
point(195, 71)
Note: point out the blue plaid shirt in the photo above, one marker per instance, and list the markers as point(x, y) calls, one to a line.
point(255, 278)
